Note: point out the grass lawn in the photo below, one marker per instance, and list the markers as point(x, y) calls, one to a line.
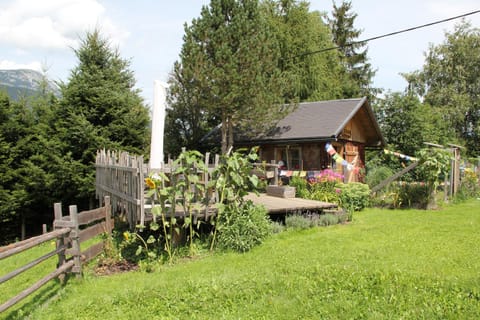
point(385, 265)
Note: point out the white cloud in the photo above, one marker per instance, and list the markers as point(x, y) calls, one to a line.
point(56, 24)
point(10, 65)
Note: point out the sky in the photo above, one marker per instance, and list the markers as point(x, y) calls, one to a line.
point(42, 35)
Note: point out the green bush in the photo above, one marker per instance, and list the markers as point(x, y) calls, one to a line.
point(277, 227)
point(328, 219)
point(301, 187)
point(322, 188)
point(413, 195)
point(296, 221)
point(469, 186)
point(344, 217)
point(354, 196)
point(244, 227)
point(131, 248)
point(327, 191)
point(403, 195)
point(377, 175)
point(299, 222)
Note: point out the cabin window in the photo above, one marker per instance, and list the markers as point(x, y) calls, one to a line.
point(291, 157)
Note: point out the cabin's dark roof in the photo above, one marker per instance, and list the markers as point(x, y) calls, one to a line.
point(322, 120)
point(314, 121)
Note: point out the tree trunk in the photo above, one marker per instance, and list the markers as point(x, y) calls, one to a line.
point(224, 134)
point(230, 133)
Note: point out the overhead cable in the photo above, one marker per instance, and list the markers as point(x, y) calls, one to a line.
point(388, 34)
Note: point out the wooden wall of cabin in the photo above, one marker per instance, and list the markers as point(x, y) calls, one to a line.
point(314, 157)
point(267, 153)
point(355, 154)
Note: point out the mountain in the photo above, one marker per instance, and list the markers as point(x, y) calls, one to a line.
point(24, 83)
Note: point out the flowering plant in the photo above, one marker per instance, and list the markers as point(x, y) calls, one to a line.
point(328, 175)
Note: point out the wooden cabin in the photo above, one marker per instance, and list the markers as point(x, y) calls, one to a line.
point(299, 141)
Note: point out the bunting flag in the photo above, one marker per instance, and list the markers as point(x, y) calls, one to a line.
point(330, 149)
point(293, 173)
point(337, 158)
point(399, 155)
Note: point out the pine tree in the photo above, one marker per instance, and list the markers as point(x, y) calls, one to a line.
point(100, 108)
point(359, 73)
point(228, 69)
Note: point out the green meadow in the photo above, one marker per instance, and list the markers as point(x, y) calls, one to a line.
point(386, 264)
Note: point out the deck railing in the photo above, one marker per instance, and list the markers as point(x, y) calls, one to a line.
point(121, 176)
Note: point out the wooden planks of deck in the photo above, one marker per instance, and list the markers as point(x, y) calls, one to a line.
point(274, 205)
point(285, 205)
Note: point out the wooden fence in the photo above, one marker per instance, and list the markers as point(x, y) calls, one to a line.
point(69, 234)
point(121, 176)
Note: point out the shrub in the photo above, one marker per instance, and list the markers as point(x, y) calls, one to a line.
point(301, 187)
point(413, 195)
point(404, 195)
point(322, 187)
point(469, 186)
point(377, 175)
point(325, 191)
point(131, 248)
point(332, 219)
point(244, 227)
point(296, 221)
point(328, 219)
point(344, 217)
point(277, 227)
point(354, 196)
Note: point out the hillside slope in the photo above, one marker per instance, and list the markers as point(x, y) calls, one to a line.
point(24, 83)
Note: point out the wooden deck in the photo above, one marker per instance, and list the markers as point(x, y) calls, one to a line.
point(274, 205)
point(277, 205)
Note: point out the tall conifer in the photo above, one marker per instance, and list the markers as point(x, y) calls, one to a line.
point(359, 72)
point(229, 69)
point(100, 108)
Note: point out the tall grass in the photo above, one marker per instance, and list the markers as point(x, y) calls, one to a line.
point(384, 265)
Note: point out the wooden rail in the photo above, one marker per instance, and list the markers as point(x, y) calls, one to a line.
point(121, 176)
point(393, 177)
point(69, 234)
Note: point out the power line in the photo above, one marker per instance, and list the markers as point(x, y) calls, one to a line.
point(388, 34)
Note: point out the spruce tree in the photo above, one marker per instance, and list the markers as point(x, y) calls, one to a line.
point(359, 72)
point(100, 108)
point(29, 164)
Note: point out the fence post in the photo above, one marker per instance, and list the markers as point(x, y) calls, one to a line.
point(75, 236)
point(108, 215)
point(60, 242)
point(275, 173)
point(206, 177)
